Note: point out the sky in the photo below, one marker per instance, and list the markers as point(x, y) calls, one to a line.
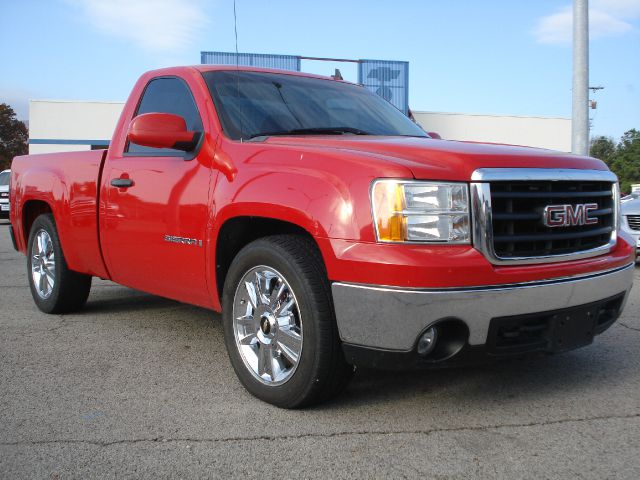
point(501, 57)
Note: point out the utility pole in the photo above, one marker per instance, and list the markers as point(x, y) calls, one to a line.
point(580, 113)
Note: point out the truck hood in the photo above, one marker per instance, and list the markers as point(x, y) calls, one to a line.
point(428, 158)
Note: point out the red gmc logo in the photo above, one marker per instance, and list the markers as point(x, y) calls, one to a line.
point(569, 215)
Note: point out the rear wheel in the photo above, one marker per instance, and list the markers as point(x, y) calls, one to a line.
point(54, 288)
point(279, 325)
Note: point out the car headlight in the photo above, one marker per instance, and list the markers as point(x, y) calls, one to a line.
point(414, 211)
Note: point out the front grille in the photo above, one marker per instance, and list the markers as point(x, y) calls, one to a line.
point(634, 222)
point(517, 217)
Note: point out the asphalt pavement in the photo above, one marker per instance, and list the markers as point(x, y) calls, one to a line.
point(140, 386)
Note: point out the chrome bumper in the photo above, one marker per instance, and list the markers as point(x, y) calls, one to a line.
point(392, 318)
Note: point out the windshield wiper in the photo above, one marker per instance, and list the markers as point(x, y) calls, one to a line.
point(313, 131)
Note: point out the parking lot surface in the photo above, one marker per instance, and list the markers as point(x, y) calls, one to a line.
point(140, 386)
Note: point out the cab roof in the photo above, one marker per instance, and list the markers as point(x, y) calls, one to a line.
point(240, 68)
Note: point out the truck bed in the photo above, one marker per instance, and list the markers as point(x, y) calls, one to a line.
point(69, 183)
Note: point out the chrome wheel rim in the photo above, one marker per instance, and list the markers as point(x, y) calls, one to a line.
point(267, 325)
point(43, 264)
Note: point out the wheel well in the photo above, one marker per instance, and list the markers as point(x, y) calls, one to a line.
point(32, 209)
point(238, 232)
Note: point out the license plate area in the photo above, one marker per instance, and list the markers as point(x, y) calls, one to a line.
point(573, 328)
point(552, 331)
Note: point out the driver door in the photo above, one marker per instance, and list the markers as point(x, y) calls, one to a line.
point(156, 210)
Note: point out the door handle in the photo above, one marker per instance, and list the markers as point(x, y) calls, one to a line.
point(122, 182)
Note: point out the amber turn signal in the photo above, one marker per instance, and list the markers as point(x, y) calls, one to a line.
point(421, 211)
point(388, 204)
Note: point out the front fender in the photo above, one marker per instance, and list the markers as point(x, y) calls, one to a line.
point(324, 207)
point(324, 192)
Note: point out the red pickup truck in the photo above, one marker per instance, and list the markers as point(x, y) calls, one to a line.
point(329, 230)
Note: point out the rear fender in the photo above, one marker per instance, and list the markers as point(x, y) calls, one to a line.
point(40, 186)
point(73, 203)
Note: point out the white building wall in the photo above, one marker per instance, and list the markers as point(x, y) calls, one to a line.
point(60, 125)
point(540, 132)
point(55, 148)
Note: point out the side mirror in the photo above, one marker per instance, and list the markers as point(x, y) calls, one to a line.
point(434, 135)
point(162, 130)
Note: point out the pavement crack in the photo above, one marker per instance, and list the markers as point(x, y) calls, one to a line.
point(473, 428)
point(635, 329)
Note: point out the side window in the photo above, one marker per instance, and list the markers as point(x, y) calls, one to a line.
point(167, 95)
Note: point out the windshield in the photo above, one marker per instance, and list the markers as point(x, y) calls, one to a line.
point(4, 179)
point(252, 104)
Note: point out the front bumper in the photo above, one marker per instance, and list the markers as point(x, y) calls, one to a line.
point(391, 319)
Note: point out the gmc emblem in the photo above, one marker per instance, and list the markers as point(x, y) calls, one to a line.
point(569, 215)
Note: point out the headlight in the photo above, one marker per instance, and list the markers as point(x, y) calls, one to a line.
point(413, 211)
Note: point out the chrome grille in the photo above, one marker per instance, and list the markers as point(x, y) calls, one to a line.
point(508, 206)
point(634, 222)
point(517, 211)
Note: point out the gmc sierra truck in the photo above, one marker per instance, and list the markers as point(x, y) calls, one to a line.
point(328, 228)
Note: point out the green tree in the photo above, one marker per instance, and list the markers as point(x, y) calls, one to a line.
point(627, 161)
point(13, 136)
point(603, 148)
point(623, 159)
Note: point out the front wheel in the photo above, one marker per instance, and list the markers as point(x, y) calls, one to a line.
point(279, 325)
point(54, 288)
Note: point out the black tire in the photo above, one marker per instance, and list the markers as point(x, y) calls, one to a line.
point(70, 289)
point(321, 370)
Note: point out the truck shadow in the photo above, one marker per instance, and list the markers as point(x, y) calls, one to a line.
point(500, 382)
point(606, 362)
point(122, 299)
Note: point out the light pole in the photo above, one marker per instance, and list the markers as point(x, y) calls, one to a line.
point(580, 110)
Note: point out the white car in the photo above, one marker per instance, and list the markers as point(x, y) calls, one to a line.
point(630, 211)
point(4, 193)
point(631, 196)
